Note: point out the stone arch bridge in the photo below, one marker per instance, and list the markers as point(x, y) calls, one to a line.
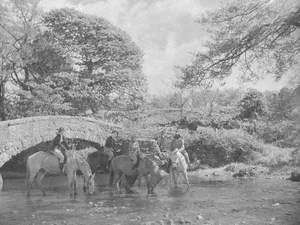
point(21, 134)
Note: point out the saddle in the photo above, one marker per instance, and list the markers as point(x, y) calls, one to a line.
point(61, 165)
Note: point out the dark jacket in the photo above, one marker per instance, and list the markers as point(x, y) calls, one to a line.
point(176, 143)
point(110, 142)
point(60, 142)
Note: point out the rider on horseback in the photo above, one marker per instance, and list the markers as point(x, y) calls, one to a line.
point(134, 151)
point(59, 146)
point(178, 143)
point(110, 146)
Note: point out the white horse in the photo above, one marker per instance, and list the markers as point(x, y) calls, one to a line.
point(41, 163)
point(178, 166)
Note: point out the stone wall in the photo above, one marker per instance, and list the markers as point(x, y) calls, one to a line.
point(21, 134)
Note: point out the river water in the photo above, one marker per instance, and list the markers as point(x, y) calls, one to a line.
point(242, 201)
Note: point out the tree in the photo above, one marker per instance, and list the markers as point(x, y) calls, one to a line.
point(107, 62)
point(15, 31)
point(3, 78)
point(282, 103)
point(251, 105)
point(250, 35)
point(28, 60)
point(65, 62)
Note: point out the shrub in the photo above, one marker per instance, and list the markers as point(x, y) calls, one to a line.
point(282, 133)
point(216, 147)
point(251, 105)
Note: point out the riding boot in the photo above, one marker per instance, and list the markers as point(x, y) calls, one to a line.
point(107, 166)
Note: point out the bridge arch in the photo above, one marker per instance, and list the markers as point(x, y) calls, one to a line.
point(20, 134)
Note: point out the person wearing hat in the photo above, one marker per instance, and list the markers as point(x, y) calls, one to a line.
point(110, 146)
point(59, 146)
point(134, 150)
point(178, 143)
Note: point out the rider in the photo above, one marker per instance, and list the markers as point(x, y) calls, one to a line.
point(134, 152)
point(110, 146)
point(178, 143)
point(60, 146)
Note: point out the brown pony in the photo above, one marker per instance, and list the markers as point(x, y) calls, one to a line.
point(145, 167)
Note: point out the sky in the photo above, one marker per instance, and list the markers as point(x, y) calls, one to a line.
point(165, 30)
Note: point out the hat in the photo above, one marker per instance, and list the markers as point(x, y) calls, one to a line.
point(60, 130)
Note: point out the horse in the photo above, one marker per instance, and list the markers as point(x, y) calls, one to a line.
point(41, 163)
point(178, 165)
point(123, 165)
point(97, 160)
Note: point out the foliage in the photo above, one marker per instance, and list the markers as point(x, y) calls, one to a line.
point(251, 105)
point(93, 41)
point(30, 60)
point(250, 35)
point(65, 62)
point(281, 104)
point(285, 133)
point(108, 61)
point(215, 147)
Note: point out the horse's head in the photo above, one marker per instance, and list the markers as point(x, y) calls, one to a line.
point(91, 184)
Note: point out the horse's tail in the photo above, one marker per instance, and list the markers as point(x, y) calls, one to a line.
point(111, 176)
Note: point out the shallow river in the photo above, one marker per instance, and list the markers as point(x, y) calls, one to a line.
point(248, 201)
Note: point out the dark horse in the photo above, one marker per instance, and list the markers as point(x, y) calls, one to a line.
point(98, 161)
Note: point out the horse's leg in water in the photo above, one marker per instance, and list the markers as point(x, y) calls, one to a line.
point(75, 183)
point(147, 180)
point(39, 177)
point(186, 178)
point(139, 178)
point(30, 179)
point(170, 178)
point(129, 182)
point(84, 184)
point(175, 178)
point(71, 182)
point(117, 180)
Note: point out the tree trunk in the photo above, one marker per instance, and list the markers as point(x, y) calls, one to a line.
point(2, 101)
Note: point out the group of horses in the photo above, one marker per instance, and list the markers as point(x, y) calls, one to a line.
point(122, 168)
